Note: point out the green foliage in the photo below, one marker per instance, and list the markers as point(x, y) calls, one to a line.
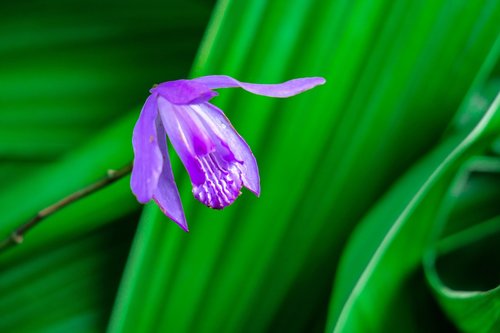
point(73, 75)
point(379, 189)
point(463, 266)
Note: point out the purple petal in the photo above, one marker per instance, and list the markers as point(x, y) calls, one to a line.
point(285, 89)
point(166, 194)
point(187, 137)
point(148, 160)
point(221, 126)
point(184, 92)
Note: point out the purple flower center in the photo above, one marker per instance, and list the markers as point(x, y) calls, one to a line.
point(222, 182)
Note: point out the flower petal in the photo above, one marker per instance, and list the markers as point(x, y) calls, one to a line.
point(166, 194)
point(221, 126)
point(187, 137)
point(148, 160)
point(184, 92)
point(285, 89)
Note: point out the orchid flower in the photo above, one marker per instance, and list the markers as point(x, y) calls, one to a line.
point(219, 162)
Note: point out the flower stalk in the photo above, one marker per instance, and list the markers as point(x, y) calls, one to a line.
point(17, 236)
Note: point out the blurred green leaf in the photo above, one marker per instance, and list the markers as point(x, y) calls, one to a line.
point(69, 285)
point(71, 68)
point(80, 168)
point(462, 266)
point(373, 272)
point(71, 72)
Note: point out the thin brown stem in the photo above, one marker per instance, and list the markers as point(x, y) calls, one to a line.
point(17, 236)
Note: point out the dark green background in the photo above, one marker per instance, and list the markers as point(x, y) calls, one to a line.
point(380, 190)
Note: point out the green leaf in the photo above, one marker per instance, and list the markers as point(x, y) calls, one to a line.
point(68, 285)
point(372, 272)
point(71, 74)
point(69, 70)
point(462, 266)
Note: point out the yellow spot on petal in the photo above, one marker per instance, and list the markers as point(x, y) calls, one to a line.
point(151, 139)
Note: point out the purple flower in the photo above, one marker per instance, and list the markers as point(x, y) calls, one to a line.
point(218, 160)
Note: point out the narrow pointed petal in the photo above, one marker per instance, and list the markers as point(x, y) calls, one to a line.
point(281, 90)
point(183, 92)
point(166, 194)
point(222, 127)
point(148, 159)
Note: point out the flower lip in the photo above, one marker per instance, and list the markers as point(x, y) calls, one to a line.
point(231, 145)
point(222, 185)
